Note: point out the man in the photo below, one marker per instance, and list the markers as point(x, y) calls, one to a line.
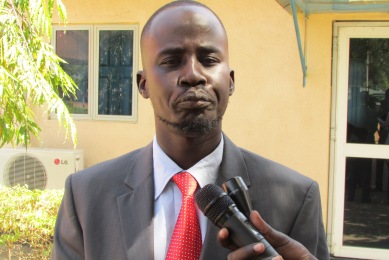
point(383, 132)
point(127, 208)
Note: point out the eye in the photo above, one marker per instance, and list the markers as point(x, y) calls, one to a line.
point(209, 61)
point(171, 61)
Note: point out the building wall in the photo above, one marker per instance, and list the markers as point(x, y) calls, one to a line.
point(270, 113)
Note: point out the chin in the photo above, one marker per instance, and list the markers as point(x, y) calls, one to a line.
point(199, 126)
point(194, 126)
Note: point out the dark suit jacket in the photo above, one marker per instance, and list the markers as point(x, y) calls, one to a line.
point(107, 209)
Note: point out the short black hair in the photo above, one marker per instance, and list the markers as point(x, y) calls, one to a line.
point(174, 4)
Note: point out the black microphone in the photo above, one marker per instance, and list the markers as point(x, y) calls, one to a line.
point(221, 210)
point(239, 193)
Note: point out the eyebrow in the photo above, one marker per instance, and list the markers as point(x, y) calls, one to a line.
point(209, 49)
point(170, 51)
point(180, 50)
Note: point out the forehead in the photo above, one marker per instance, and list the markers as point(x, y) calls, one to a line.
point(179, 23)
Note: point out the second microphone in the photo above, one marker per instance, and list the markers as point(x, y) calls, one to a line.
point(221, 210)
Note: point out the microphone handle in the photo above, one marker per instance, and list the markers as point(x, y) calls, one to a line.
point(243, 233)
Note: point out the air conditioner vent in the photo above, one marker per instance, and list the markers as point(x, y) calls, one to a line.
point(39, 168)
point(25, 169)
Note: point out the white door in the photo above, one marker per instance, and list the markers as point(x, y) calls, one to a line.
point(359, 209)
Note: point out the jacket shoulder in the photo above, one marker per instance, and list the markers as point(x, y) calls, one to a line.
point(105, 174)
point(270, 171)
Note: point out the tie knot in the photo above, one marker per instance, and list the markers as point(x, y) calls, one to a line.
point(186, 183)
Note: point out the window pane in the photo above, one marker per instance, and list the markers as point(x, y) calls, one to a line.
point(368, 91)
point(115, 72)
point(73, 47)
point(366, 209)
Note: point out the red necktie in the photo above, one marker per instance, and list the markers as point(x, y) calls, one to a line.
point(186, 239)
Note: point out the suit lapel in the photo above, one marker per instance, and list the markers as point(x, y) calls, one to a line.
point(232, 165)
point(137, 206)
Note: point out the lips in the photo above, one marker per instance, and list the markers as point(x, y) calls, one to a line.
point(197, 99)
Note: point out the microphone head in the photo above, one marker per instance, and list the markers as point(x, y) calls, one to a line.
point(238, 191)
point(213, 202)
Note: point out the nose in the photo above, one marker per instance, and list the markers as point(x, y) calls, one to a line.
point(192, 73)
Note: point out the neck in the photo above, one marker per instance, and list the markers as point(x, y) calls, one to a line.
point(187, 151)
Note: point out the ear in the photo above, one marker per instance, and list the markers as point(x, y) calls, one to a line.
point(141, 81)
point(232, 82)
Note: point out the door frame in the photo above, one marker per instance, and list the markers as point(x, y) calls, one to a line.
point(339, 148)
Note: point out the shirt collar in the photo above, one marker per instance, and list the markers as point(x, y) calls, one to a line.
point(205, 171)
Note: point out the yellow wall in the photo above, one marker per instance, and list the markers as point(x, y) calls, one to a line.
point(270, 112)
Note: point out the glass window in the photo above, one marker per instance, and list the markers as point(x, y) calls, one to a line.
point(368, 91)
point(366, 182)
point(73, 47)
point(115, 72)
point(102, 61)
point(366, 210)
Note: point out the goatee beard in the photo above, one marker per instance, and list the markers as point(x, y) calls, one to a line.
point(195, 126)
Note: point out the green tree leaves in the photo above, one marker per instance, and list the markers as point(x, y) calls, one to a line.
point(30, 71)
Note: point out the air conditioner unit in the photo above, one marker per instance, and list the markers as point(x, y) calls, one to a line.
point(38, 168)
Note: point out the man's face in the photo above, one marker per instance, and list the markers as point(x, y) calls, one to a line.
point(186, 73)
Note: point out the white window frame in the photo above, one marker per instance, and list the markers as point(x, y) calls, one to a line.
point(93, 70)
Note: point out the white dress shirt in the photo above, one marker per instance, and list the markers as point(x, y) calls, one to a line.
point(168, 196)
